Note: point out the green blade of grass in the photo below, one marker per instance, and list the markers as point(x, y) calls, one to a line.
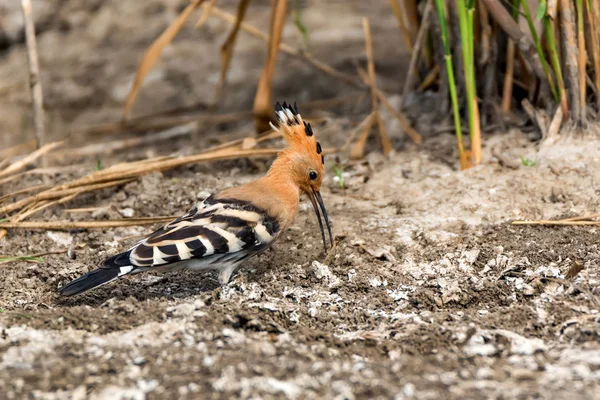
point(539, 49)
point(556, 63)
point(4, 260)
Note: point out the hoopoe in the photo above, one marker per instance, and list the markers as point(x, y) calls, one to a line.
point(229, 227)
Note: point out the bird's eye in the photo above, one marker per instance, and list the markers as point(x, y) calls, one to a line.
point(312, 175)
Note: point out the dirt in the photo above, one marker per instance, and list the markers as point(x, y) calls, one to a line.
point(431, 292)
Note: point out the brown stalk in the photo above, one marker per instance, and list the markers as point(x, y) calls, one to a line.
point(544, 222)
point(57, 193)
point(593, 13)
point(69, 225)
point(423, 29)
point(289, 50)
point(569, 41)
point(430, 78)
point(205, 13)
point(553, 130)
point(581, 61)
point(22, 191)
point(366, 122)
point(404, 123)
point(539, 117)
point(358, 150)
point(412, 15)
point(263, 100)
point(405, 32)
point(153, 53)
point(508, 76)
point(510, 26)
point(385, 141)
point(227, 48)
point(35, 83)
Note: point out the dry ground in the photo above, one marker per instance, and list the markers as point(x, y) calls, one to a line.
point(430, 293)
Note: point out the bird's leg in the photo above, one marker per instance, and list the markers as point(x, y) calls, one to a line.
point(225, 274)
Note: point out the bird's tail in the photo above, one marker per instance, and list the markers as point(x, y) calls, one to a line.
point(93, 279)
point(112, 268)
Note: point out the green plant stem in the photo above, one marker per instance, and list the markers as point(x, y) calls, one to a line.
point(556, 64)
point(451, 81)
point(538, 46)
point(465, 20)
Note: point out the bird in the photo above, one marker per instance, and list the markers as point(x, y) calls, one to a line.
point(227, 228)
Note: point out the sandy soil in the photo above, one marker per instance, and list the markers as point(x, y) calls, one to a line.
point(430, 293)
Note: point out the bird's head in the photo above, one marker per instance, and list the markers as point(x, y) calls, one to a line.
point(303, 159)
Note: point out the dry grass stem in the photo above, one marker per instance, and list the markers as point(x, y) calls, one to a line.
point(227, 48)
point(263, 100)
point(412, 66)
point(35, 83)
point(69, 225)
point(405, 32)
point(372, 81)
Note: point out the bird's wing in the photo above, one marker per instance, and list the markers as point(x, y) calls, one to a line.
point(213, 229)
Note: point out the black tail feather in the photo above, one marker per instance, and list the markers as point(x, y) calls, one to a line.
point(89, 281)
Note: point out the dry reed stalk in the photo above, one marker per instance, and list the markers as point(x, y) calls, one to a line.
point(430, 78)
point(544, 222)
point(414, 58)
point(405, 32)
point(539, 117)
point(582, 59)
point(22, 191)
point(69, 225)
point(384, 140)
point(358, 150)
point(367, 121)
point(205, 13)
point(508, 76)
point(226, 51)
point(263, 100)
point(412, 15)
point(509, 25)
point(569, 41)
point(59, 192)
point(404, 123)
point(593, 13)
point(153, 53)
point(35, 83)
point(553, 130)
point(84, 210)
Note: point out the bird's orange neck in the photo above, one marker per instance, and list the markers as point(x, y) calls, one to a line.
point(276, 192)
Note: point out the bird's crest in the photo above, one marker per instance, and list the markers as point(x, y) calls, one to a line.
point(298, 133)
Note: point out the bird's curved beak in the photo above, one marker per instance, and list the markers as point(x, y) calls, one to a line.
point(315, 198)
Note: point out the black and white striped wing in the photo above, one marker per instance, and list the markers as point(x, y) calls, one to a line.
point(218, 231)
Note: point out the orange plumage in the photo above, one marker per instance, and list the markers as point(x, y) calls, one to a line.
point(227, 228)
